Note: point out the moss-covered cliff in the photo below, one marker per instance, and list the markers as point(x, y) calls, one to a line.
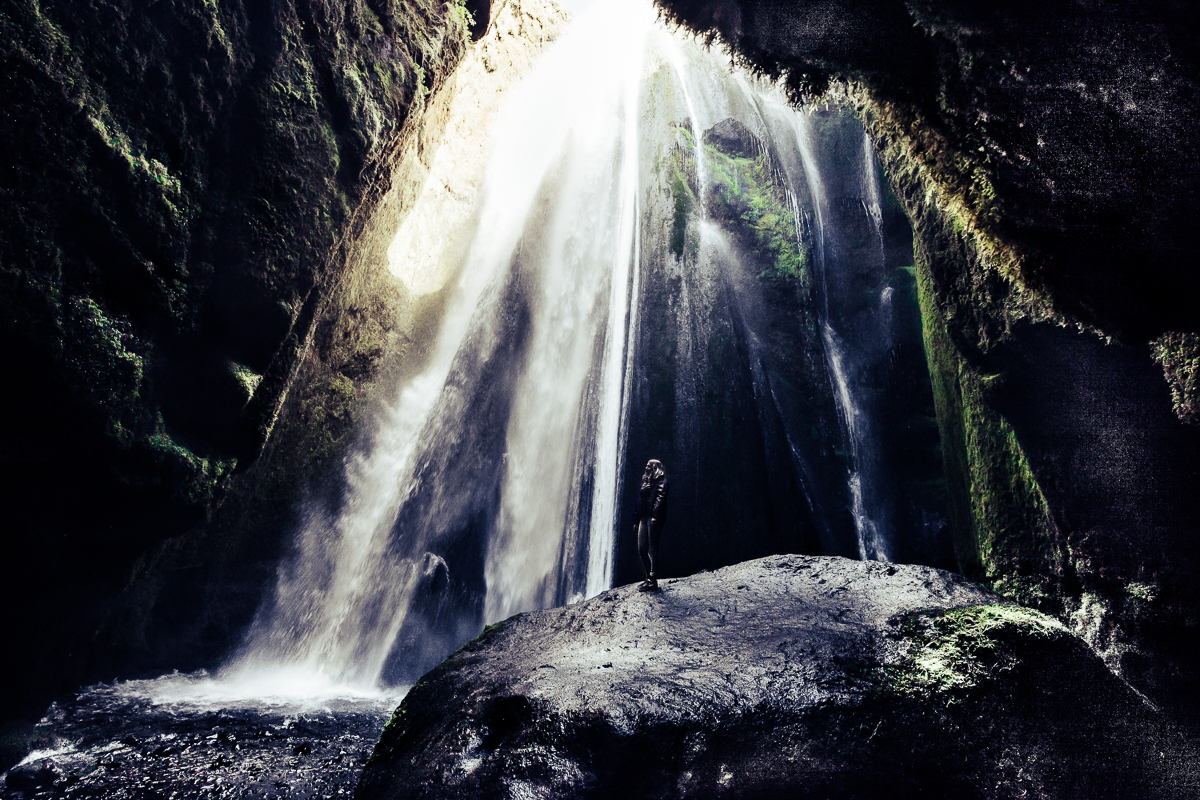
point(188, 599)
point(182, 187)
point(1044, 156)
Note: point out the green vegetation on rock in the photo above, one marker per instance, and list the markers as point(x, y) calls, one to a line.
point(952, 652)
point(1179, 355)
point(1004, 534)
point(748, 189)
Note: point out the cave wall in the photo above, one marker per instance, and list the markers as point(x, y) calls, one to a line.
point(188, 600)
point(183, 187)
point(1043, 154)
point(1073, 476)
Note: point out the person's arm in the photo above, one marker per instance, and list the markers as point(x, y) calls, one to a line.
point(660, 500)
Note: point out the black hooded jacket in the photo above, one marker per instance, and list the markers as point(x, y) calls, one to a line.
point(652, 496)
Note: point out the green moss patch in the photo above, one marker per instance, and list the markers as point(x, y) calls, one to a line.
point(1004, 533)
point(747, 189)
point(1179, 355)
point(952, 652)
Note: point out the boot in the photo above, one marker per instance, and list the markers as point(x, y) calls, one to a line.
point(648, 585)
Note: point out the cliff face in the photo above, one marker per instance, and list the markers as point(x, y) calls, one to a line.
point(188, 600)
point(182, 186)
point(1042, 154)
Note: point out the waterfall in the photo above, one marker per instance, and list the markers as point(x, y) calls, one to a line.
point(873, 205)
point(495, 480)
point(872, 194)
point(590, 247)
point(865, 490)
point(481, 451)
point(610, 445)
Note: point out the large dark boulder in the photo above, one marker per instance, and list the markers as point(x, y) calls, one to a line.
point(788, 676)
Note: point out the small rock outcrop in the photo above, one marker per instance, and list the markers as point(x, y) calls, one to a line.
point(787, 676)
point(733, 138)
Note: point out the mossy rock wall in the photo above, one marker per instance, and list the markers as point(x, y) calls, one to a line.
point(1069, 470)
point(189, 599)
point(184, 186)
point(1038, 151)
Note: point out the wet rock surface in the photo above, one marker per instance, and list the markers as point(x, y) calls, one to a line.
point(107, 744)
point(787, 676)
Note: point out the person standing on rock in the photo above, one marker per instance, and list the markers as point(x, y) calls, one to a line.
point(649, 513)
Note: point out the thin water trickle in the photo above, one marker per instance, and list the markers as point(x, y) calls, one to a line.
point(677, 63)
point(873, 538)
point(872, 193)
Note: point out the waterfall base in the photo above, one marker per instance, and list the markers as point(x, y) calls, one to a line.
point(789, 676)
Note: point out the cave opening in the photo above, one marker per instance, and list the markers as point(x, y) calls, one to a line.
point(320, 432)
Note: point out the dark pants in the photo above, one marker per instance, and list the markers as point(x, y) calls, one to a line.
point(648, 536)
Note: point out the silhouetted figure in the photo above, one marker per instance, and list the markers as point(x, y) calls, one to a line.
point(649, 513)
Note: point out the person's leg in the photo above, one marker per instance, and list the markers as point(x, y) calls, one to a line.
point(648, 550)
point(644, 546)
point(655, 534)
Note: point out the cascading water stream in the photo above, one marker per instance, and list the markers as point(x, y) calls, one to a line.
point(872, 193)
point(586, 256)
point(873, 205)
point(611, 437)
point(492, 483)
point(872, 538)
point(556, 233)
point(677, 63)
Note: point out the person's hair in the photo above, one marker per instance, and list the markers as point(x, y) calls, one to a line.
point(653, 474)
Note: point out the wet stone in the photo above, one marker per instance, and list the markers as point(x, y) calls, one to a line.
point(110, 745)
point(789, 676)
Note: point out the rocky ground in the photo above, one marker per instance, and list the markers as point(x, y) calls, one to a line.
point(787, 676)
point(107, 743)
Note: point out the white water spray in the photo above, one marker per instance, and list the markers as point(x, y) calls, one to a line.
point(590, 246)
point(566, 157)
